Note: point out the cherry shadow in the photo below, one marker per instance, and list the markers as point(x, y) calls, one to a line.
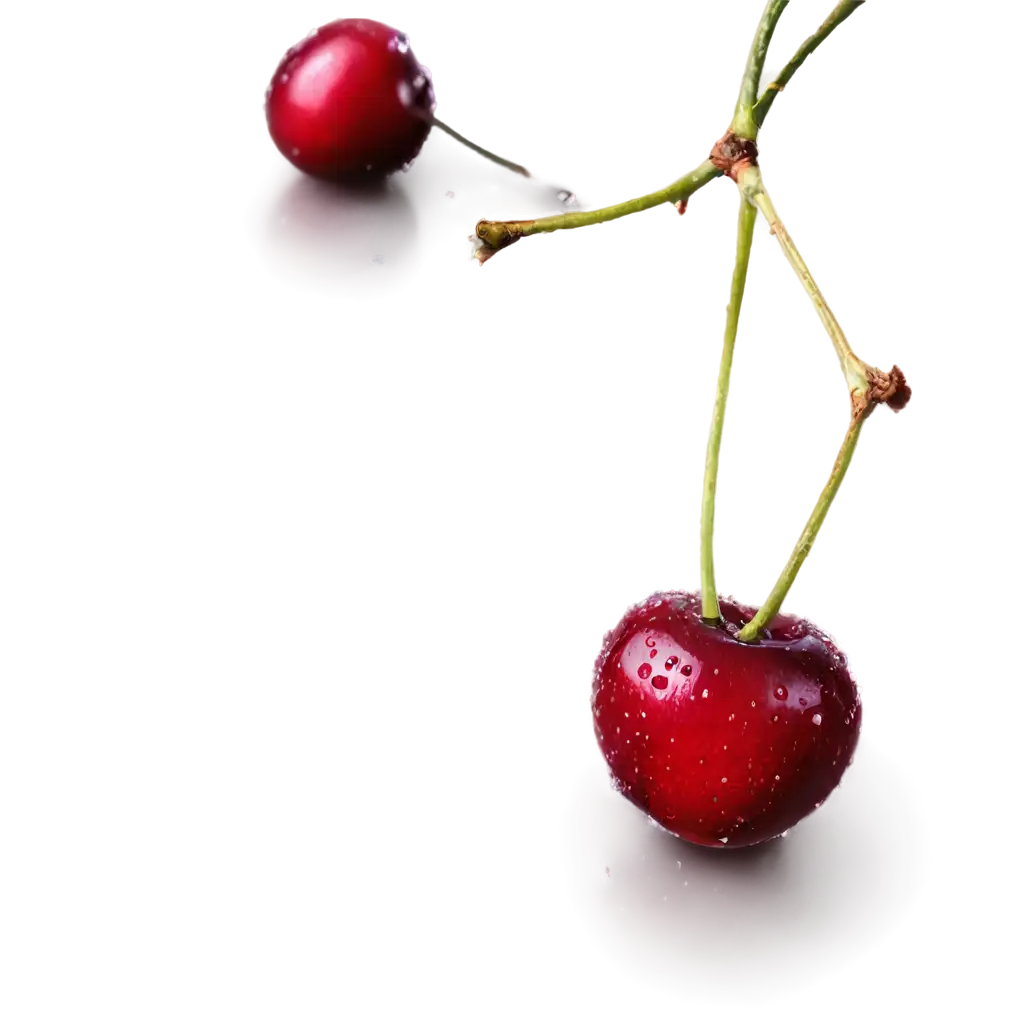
point(342, 241)
point(742, 927)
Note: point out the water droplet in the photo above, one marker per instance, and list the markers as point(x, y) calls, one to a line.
point(724, 839)
point(716, 671)
point(781, 692)
point(671, 662)
point(776, 778)
point(380, 258)
point(654, 653)
point(724, 780)
point(704, 694)
point(816, 719)
point(399, 43)
point(567, 197)
point(686, 670)
point(659, 682)
point(644, 671)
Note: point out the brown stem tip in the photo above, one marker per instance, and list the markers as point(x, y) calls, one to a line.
point(731, 154)
point(497, 235)
point(889, 388)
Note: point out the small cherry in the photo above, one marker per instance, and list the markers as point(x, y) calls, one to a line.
point(351, 103)
point(723, 742)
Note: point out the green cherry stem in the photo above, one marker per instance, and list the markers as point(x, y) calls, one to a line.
point(744, 239)
point(773, 602)
point(854, 369)
point(456, 135)
point(839, 14)
point(497, 234)
point(748, 118)
point(743, 123)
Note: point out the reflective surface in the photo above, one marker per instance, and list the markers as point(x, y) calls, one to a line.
point(694, 925)
point(338, 243)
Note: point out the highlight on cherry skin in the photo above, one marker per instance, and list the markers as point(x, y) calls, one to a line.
point(721, 742)
point(350, 102)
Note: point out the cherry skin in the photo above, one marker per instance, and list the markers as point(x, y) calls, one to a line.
point(350, 102)
point(723, 742)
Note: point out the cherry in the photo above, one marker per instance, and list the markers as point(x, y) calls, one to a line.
point(350, 102)
point(691, 925)
point(720, 741)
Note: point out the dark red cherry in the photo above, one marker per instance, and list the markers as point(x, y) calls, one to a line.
point(350, 102)
point(723, 742)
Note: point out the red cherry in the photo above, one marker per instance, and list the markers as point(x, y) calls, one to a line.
point(723, 742)
point(350, 102)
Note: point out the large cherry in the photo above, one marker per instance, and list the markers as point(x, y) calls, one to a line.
point(350, 102)
point(723, 742)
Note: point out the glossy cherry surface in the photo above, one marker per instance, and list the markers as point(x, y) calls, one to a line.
point(723, 742)
point(350, 102)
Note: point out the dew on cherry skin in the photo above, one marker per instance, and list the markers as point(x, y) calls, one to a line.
point(687, 670)
point(399, 43)
point(659, 682)
point(644, 671)
point(781, 692)
point(816, 719)
point(670, 662)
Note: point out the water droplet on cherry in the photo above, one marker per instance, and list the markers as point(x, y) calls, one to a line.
point(659, 682)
